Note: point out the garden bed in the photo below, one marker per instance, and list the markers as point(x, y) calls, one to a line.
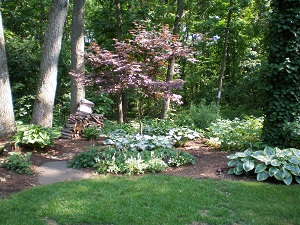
point(210, 163)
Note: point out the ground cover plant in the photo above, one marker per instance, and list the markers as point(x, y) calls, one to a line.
point(113, 160)
point(283, 164)
point(236, 134)
point(153, 199)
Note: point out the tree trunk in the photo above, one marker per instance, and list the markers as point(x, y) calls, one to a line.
point(224, 55)
point(122, 96)
point(77, 52)
point(44, 102)
point(120, 108)
point(7, 118)
point(171, 65)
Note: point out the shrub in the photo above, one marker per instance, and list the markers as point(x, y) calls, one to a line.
point(18, 162)
point(237, 133)
point(270, 162)
point(35, 136)
point(91, 133)
point(291, 133)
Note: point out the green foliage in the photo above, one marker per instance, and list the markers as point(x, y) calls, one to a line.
point(112, 160)
point(158, 126)
point(35, 136)
point(198, 116)
point(18, 162)
point(115, 128)
point(91, 133)
point(291, 133)
point(138, 142)
point(236, 134)
point(283, 71)
point(85, 159)
point(270, 162)
point(179, 136)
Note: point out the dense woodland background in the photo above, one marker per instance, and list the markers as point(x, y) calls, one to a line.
point(233, 43)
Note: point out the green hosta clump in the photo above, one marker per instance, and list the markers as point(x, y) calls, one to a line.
point(112, 160)
point(18, 162)
point(283, 164)
point(237, 133)
point(35, 136)
point(179, 136)
point(138, 142)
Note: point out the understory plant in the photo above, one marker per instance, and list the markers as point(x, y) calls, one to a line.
point(283, 164)
point(291, 133)
point(137, 142)
point(18, 162)
point(180, 136)
point(236, 134)
point(91, 133)
point(35, 136)
point(113, 160)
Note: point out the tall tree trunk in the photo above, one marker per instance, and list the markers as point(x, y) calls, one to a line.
point(171, 65)
point(121, 96)
point(7, 118)
point(77, 52)
point(224, 55)
point(44, 102)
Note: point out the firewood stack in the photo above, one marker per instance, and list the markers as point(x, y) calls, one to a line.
point(80, 120)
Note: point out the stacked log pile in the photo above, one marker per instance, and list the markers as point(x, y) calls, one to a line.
point(80, 120)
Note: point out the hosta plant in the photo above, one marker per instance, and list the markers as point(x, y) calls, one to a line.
point(179, 136)
point(35, 136)
point(283, 164)
point(112, 160)
point(138, 142)
point(236, 134)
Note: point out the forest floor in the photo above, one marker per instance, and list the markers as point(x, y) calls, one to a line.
point(210, 163)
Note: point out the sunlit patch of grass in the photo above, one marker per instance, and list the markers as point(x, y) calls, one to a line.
point(154, 199)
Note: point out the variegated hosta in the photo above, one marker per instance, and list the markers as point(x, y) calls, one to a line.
point(283, 164)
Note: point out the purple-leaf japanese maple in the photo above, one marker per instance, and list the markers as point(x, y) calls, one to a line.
point(139, 63)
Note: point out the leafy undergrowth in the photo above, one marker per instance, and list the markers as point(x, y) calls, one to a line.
point(153, 199)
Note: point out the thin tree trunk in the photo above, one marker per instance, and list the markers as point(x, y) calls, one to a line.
point(224, 55)
point(171, 65)
point(7, 118)
point(120, 108)
point(77, 53)
point(120, 97)
point(44, 102)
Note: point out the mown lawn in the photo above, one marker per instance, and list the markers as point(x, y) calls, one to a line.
point(153, 199)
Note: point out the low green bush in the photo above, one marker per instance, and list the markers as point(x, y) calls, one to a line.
point(18, 162)
point(35, 136)
point(283, 164)
point(91, 133)
point(112, 160)
point(236, 134)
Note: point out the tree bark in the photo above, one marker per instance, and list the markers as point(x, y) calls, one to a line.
point(224, 55)
point(44, 102)
point(121, 96)
point(77, 52)
point(171, 65)
point(7, 118)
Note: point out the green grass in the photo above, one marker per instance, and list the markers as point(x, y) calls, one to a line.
point(154, 199)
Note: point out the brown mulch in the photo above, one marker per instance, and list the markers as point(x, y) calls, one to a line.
point(210, 163)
